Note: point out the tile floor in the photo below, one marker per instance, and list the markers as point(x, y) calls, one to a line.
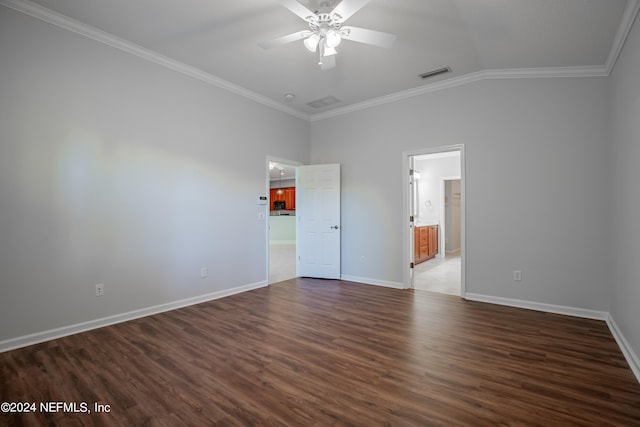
point(439, 275)
point(282, 262)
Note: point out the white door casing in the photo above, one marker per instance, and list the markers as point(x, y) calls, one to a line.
point(318, 216)
point(412, 213)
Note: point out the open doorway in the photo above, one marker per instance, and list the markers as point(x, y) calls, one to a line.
point(435, 220)
point(281, 220)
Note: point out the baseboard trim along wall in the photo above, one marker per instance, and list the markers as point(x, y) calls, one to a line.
point(627, 351)
point(538, 306)
point(64, 331)
point(368, 281)
point(629, 354)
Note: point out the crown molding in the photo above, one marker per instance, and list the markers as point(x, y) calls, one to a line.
point(628, 18)
point(516, 73)
point(62, 21)
point(630, 13)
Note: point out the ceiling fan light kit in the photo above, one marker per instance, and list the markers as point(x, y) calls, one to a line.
point(326, 31)
point(333, 38)
point(311, 42)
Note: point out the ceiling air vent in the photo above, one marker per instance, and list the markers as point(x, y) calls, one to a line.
point(434, 73)
point(324, 102)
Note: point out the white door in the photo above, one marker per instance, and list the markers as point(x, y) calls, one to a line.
point(318, 216)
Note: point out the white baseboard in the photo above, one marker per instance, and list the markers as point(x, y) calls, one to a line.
point(375, 282)
point(629, 354)
point(627, 351)
point(538, 306)
point(39, 337)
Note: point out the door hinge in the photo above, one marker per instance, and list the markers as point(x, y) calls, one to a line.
point(411, 265)
point(411, 218)
point(410, 172)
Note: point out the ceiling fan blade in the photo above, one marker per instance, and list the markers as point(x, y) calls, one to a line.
point(285, 39)
point(298, 9)
point(346, 8)
point(328, 62)
point(362, 35)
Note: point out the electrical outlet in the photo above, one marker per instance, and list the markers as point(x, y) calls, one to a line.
point(363, 260)
point(204, 272)
point(517, 275)
point(99, 290)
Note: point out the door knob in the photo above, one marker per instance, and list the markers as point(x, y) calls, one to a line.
point(335, 227)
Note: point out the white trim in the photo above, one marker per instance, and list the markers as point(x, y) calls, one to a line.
point(628, 17)
point(374, 282)
point(547, 72)
point(62, 21)
point(539, 306)
point(39, 337)
point(625, 347)
point(407, 229)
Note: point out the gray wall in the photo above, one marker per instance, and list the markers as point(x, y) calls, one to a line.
point(624, 247)
point(535, 184)
point(115, 170)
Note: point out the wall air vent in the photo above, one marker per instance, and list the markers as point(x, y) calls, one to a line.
point(434, 73)
point(324, 102)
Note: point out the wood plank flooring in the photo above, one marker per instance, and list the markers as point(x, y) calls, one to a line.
point(318, 353)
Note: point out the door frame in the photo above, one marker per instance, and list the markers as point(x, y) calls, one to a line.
point(407, 251)
point(268, 210)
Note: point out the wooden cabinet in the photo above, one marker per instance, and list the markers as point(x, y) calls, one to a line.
point(423, 244)
point(433, 241)
point(274, 197)
point(425, 241)
point(288, 196)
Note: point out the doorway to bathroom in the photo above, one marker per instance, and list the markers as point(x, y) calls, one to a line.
point(435, 220)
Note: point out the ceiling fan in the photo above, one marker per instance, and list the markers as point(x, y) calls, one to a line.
point(326, 30)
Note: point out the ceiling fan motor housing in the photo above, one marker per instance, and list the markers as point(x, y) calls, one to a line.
point(323, 22)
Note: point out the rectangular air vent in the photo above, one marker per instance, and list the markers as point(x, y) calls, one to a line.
point(324, 102)
point(434, 73)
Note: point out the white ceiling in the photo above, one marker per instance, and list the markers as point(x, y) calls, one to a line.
point(473, 37)
point(281, 171)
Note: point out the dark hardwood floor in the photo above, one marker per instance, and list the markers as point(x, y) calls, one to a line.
point(316, 353)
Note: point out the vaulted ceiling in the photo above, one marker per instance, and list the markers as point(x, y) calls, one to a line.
point(475, 38)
